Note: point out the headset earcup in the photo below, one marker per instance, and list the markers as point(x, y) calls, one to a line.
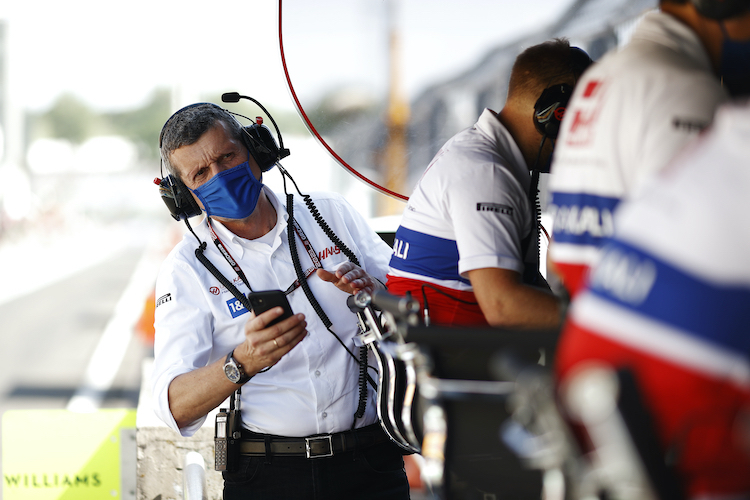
point(262, 146)
point(187, 203)
point(549, 109)
point(178, 199)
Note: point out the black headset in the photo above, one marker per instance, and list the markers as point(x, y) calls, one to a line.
point(257, 138)
point(549, 109)
point(720, 9)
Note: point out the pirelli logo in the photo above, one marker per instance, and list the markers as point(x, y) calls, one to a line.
point(164, 299)
point(495, 207)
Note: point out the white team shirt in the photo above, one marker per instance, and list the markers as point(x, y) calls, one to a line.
point(630, 113)
point(669, 299)
point(312, 389)
point(470, 210)
point(675, 280)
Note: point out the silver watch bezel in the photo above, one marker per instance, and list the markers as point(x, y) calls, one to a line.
point(233, 370)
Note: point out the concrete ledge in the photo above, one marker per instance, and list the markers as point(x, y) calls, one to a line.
point(161, 452)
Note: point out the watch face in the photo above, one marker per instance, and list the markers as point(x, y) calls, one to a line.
point(232, 373)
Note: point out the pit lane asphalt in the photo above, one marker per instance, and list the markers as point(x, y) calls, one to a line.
point(49, 334)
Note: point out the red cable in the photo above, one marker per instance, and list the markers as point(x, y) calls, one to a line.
point(315, 133)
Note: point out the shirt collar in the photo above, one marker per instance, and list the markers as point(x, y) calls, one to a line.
point(240, 245)
point(490, 125)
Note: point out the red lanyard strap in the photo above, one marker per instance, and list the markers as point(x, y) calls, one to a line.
point(222, 279)
point(232, 262)
point(308, 246)
point(227, 256)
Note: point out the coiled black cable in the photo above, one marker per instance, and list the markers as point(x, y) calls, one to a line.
point(301, 276)
point(362, 384)
point(318, 218)
point(534, 194)
point(364, 377)
point(326, 229)
point(298, 267)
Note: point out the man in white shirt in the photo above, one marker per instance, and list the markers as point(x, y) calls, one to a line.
point(305, 431)
point(467, 247)
point(633, 111)
point(667, 302)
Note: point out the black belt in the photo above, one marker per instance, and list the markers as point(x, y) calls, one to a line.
point(324, 445)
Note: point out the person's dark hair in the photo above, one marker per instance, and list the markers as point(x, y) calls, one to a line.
point(188, 125)
point(541, 66)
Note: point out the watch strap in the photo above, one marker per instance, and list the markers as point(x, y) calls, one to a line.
point(232, 360)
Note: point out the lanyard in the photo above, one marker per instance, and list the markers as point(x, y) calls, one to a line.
point(232, 262)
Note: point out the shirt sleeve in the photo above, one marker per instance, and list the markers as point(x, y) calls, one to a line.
point(490, 216)
point(183, 338)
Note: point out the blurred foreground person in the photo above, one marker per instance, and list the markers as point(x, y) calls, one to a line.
point(468, 244)
point(636, 109)
point(668, 301)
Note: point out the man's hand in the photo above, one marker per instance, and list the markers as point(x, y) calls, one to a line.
point(264, 346)
point(351, 279)
point(195, 393)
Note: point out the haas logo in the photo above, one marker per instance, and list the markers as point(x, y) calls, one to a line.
point(328, 252)
point(582, 125)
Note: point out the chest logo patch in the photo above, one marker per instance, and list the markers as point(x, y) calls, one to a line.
point(235, 307)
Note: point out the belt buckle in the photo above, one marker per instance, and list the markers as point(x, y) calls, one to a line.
point(308, 451)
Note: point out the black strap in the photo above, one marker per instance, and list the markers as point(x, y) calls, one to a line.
point(225, 253)
point(237, 269)
point(222, 279)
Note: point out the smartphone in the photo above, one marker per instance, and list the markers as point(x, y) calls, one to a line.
point(268, 299)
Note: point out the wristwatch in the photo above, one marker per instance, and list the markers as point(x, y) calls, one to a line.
point(233, 370)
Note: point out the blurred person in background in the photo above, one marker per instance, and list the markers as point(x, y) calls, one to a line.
point(668, 302)
point(468, 244)
point(634, 111)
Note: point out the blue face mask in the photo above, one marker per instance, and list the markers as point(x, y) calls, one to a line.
point(232, 194)
point(735, 65)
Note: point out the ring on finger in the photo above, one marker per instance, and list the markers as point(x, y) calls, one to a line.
point(275, 343)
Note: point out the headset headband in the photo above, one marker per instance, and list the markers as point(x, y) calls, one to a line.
point(189, 106)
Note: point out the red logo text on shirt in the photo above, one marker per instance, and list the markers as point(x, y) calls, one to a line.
point(328, 252)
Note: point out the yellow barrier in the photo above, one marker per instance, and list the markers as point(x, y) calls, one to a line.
point(62, 455)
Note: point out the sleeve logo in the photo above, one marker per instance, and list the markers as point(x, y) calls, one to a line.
point(495, 207)
point(167, 297)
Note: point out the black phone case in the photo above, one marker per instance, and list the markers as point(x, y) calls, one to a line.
point(264, 300)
